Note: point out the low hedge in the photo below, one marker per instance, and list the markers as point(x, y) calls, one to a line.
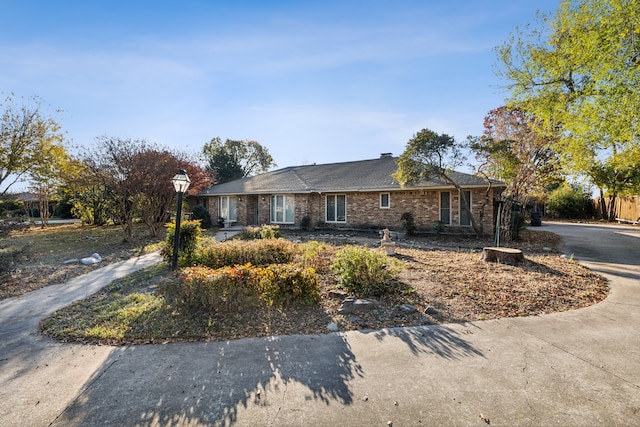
point(230, 289)
point(235, 252)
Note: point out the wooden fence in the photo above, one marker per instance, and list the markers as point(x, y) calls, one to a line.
point(626, 208)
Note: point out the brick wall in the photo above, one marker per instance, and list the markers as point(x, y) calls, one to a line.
point(363, 209)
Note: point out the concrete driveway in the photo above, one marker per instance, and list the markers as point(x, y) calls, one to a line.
point(579, 368)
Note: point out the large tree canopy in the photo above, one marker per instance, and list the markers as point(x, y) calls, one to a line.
point(428, 155)
point(579, 73)
point(134, 177)
point(236, 159)
point(513, 151)
point(29, 141)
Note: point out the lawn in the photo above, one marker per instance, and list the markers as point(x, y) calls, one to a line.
point(40, 253)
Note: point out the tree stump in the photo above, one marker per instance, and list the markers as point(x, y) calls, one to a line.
point(502, 255)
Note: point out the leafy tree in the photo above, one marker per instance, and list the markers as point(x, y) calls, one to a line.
point(27, 137)
point(568, 202)
point(430, 155)
point(155, 196)
point(233, 159)
point(49, 175)
point(135, 177)
point(618, 175)
point(88, 194)
point(578, 73)
point(513, 151)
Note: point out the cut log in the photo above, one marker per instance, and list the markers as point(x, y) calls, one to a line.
point(509, 256)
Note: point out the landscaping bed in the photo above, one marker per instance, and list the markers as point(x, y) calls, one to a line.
point(443, 280)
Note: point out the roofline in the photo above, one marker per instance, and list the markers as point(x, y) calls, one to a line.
point(355, 190)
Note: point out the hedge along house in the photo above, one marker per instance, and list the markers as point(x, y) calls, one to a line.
point(359, 194)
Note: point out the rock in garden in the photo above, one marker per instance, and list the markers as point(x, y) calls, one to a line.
point(431, 310)
point(352, 305)
point(408, 308)
point(336, 293)
point(333, 327)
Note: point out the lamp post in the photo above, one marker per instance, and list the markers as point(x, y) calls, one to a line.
point(181, 183)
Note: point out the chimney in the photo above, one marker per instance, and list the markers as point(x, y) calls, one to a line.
point(383, 155)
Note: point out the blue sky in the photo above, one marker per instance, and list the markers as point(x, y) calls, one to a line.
point(313, 81)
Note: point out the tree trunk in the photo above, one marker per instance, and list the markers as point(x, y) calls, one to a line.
point(603, 205)
point(611, 208)
point(502, 255)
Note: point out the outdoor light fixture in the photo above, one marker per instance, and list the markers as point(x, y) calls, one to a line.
point(181, 183)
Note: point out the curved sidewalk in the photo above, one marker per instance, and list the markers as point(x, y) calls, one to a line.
point(579, 368)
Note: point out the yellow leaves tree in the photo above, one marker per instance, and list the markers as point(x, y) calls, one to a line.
point(28, 140)
point(578, 72)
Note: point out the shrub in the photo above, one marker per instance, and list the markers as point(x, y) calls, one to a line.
point(248, 233)
point(189, 237)
point(567, 202)
point(285, 284)
point(201, 213)
point(235, 252)
point(408, 222)
point(262, 232)
point(270, 232)
point(315, 255)
point(232, 289)
point(365, 272)
point(438, 227)
point(223, 290)
point(305, 223)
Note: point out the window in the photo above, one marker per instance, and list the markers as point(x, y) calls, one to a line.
point(228, 208)
point(465, 215)
point(445, 207)
point(282, 209)
point(385, 200)
point(337, 208)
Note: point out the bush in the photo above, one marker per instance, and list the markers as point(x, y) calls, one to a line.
point(438, 227)
point(201, 213)
point(232, 289)
point(305, 223)
point(221, 291)
point(189, 237)
point(567, 202)
point(248, 233)
point(286, 284)
point(270, 232)
point(365, 272)
point(262, 232)
point(234, 252)
point(409, 223)
point(315, 255)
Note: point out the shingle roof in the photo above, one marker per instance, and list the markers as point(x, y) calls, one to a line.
point(358, 176)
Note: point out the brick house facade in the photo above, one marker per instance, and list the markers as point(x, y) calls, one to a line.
point(358, 194)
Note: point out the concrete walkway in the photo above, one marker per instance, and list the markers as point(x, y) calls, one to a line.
point(579, 368)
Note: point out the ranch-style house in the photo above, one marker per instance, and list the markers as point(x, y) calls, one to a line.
point(357, 194)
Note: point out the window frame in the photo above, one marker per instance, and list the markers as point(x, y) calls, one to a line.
point(336, 208)
point(388, 205)
point(273, 204)
point(228, 207)
point(462, 210)
point(441, 209)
